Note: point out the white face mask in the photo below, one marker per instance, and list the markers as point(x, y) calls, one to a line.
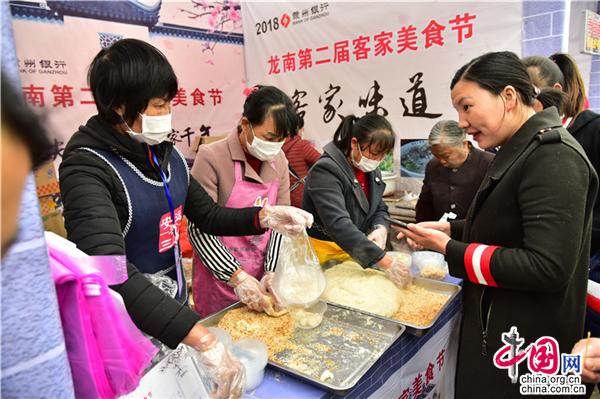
point(263, 149)
point(155, 129)
point(366, 164)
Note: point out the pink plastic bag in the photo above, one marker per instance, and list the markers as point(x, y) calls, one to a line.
point(107, 352)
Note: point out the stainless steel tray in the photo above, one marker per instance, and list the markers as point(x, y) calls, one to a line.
point(436, 286)
point(347, 343)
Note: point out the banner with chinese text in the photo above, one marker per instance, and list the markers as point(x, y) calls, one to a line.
point(395, 59)
point(57, 40)
point(430, 373)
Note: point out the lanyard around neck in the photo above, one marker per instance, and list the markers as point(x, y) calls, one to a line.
point(163, 177)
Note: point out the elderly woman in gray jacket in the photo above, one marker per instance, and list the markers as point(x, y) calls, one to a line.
point(344, 192)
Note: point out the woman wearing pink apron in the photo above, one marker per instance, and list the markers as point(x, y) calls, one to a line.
point(248, 168)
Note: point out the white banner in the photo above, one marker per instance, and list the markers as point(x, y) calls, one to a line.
point(56, 42)
point(396, 59)
point(430, 373)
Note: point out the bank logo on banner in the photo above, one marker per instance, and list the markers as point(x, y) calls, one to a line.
point(304, 15)
point(43, 66)
point(544, 362)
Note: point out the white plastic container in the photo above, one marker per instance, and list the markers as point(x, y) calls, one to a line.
point(389, 178)
point(311, 317)
point(254, 356)
point(430, 264)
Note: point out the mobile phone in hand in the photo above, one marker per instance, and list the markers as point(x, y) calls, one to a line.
point(396, 222)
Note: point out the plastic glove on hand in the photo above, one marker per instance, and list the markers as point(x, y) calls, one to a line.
point(379, 236)
point(399, 273)
point(249, 290)
point(225, 371)
point(275, 307)
point(286, 220)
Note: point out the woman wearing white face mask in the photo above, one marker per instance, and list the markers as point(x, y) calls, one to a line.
point(344, 191)
point(123, 184)
point(246, 169)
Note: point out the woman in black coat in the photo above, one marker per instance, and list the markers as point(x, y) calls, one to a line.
point(523, 248)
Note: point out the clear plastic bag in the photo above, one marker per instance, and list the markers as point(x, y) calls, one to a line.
point(298, 279)
point(165, 283)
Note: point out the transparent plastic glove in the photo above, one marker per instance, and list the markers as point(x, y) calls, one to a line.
point(399, 273)
point(286, 220)
point(226, 372)
point(250, 291)
point(379, 236)
point(267, 282)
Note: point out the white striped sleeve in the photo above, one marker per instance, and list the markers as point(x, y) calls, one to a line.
point(213, 253)
point(273, 251)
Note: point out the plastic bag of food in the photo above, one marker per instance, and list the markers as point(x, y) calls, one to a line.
point(298, 278)
point(430, 264)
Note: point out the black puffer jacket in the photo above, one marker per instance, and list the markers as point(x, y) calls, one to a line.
point(96, 212)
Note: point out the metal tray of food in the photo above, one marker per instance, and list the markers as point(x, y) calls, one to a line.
point(440, 287)
point(336, 354)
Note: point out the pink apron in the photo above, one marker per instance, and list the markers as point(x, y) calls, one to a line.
point(212, 294)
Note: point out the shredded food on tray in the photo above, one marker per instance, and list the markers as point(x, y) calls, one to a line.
point(366, 289)
point(244, 323)
point(419, 306)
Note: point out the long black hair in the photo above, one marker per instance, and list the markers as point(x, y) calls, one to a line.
point(372, 131)
point(573, 84)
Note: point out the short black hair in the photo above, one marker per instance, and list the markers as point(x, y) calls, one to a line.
point(24, 124)
point(129, 73)
point(269, 100)
point(494, 71)
point(372, 131)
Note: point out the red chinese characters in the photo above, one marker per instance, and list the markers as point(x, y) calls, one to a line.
point(407, 39)
point(65, 96)
point(433, 34)
point(341, 52)
point(463, 26)
point(166, 238)
point(543, 356)
point(180, 98)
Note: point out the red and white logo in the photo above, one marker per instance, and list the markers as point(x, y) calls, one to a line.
point(166, 235)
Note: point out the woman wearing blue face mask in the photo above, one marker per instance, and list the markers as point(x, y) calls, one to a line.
point(248, 168)
point(344, 191)
point(123, 184)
